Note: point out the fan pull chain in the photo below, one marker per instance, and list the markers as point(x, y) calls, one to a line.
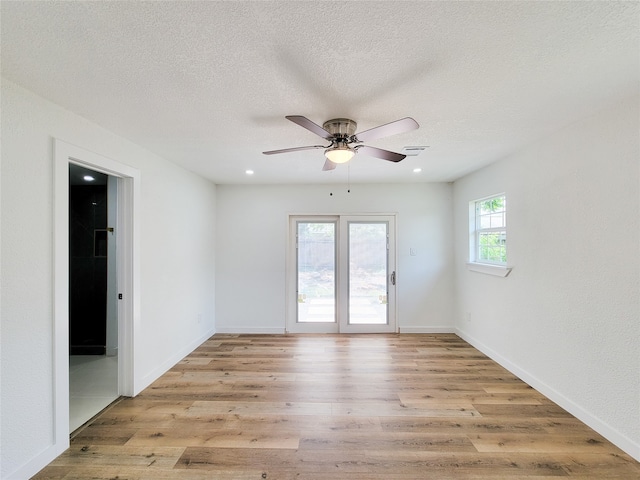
point(348, 181)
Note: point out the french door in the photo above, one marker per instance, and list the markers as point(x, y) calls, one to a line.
point(341, 274)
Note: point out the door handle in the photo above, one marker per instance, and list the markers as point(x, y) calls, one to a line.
point(393, 278)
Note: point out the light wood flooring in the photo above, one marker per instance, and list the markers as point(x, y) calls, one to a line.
point(345, 407)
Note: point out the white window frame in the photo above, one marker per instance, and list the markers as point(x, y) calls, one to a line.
point(475, 263)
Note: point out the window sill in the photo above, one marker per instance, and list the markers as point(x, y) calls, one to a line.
point(486, 268)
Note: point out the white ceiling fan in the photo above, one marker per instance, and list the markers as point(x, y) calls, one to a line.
point(345, 143)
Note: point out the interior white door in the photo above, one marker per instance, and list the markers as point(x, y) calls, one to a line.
point(112, 265)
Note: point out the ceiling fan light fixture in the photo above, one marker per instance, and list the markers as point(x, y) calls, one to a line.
point(339, 154)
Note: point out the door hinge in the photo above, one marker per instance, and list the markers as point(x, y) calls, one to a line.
point(119, 296)
point(393, 278)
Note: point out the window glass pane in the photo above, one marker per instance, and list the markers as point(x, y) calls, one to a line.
point(316, 272)
point(492, 205)
point(368, 273)
point(491, 233)
point(492, 246)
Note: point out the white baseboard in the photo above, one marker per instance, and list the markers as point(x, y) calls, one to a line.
point(620, 440)
point(441, 329)
point(157, 372)
point(251, 330)
point(281, 331)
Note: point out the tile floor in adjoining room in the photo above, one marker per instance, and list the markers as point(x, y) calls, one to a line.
point(93, 385)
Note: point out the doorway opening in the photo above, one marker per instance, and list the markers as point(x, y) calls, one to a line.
point(93, 309)
point(341, 274)
point(121, 340)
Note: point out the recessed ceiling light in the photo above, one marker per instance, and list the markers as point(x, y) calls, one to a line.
point(88, 178)
point(249, 172)
point(417, 170)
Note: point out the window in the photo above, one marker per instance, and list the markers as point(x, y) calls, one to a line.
point(489, 232)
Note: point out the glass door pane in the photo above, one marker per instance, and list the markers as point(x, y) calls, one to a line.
point(316, 272)
point(368, 273)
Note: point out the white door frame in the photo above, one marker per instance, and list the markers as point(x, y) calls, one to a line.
point(128, 272)
point(291, 313)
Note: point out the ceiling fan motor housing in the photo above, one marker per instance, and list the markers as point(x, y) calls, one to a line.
point(340, 127)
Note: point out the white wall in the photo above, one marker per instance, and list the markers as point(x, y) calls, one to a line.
point(177, 229)
point(567, 317)
point(252, 237)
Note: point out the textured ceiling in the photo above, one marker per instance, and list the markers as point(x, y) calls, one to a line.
point(207, 84)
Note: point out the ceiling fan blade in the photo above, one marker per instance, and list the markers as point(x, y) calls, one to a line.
point(294, 149)
point(328, 165)
point(309, 125)
point(380, 153)
point(399, 126)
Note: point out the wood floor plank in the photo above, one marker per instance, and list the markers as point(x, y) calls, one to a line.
point(348, 407)
point(256, 408)
point(389, 409)
point(466, 425)
point(96, 434)
point(220, 437)
point(439, 397)
point(392, 443)
point(243, 391)
point(532, 443)
point(147, 457)
point(194, 361)
point(548, 410)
